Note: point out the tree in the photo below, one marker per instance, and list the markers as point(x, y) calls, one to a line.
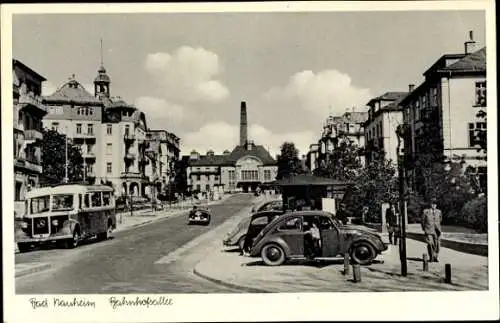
point(180, 176)
point(374, 185)
point(289, 163)
point(54, 159)
point(342, 164)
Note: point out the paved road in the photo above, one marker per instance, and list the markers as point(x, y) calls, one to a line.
point(148, 259)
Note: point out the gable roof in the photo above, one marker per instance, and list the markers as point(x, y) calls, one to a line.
point(388, 96)
point(255, 151)
point(474, 62)
point(72, 92)
point(208, 160)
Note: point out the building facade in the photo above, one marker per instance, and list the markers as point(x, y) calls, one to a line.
point(444, 108)
point(28, 113)
point(348, 127)
point(243, 169)
point(384, 116)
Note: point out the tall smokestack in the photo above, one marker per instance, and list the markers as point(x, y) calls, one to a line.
point(243, 124)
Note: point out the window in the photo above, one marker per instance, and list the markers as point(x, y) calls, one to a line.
point(106, 198)
point(90, 149)
point(417, 110)
point(207, 187)
point(90, 129)
point(260, 221)
point(324, 223)
point(216, 178)
point(198, 177)
point(62, 202)
point(109, 129)
point(95, 197)
point(250, 175)
point(293, 224)
point(231, 175)
point(55, 126)
point(473, 129)
point(17, 196)
point(198, 187)
point(434, 96)
point(86, 201)
point(40, 204)
point(480, 94)
point(109, 168)
point(109, 149)
point(78, 128)
point(267, 174)
point(127, 130)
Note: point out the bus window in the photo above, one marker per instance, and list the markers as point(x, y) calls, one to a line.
point(106, 198)
point(86, 201)
point(96, 199)
point(80, 205)
point(62, 202)
point(40, 204)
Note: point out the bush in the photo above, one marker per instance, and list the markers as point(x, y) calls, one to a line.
point(474, 214)
point(414, 206)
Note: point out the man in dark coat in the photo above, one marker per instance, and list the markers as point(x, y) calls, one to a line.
point(431, 225)
point(391, 219)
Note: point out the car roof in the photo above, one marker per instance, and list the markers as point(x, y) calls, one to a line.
point(265, 213)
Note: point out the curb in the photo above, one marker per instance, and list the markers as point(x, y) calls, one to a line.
point(32, 270)
point(461, 246)
point(221, 282)
point(227, 284)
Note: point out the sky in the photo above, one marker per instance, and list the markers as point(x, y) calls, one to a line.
point(188, 72)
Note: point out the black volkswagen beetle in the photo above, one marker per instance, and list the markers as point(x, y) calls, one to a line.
point(199, 215)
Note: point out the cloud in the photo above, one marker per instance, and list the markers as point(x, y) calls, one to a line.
point(219, 136)
point(316, 92)
point(161, 114)
point(48, 88)
point(188, 75)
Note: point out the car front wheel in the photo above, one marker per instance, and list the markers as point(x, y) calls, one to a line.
point(363, 253)
point(241, 242)
point(272, 255)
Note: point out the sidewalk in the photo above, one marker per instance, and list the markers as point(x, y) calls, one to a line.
point(225, 266)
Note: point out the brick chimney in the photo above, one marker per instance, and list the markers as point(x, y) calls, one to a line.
point(243, 124)
point(411, 87)
point(470, 45)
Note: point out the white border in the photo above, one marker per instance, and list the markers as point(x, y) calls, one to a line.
point(258, 307)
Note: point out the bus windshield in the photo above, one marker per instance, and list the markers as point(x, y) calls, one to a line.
point(40, 204)
point(62, 202)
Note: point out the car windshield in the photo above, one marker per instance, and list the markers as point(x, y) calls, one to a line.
point(62, 202)
point(40, 204)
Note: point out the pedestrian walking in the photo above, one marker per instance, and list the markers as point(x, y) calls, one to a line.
point(391, 219)
point(431, 225)
point(312, 240)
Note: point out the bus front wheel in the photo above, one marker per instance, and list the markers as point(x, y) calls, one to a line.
point(73, 242)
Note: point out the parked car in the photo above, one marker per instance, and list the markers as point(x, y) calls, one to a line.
point(274, 205)
point(249, 228)
point(284, 238)
point(199, 215)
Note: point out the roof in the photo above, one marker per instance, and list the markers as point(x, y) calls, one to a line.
point(474, 62)
point(388, 96)
point(72, 91)
point(309, 180)
point(102, 76)
point(69, 188)
point(25, 67)
point(208, 160)
point(256, 151)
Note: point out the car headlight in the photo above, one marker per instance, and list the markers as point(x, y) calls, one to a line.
point(24, 225)
point(55, 223)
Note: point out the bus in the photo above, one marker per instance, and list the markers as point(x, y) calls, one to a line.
point(67, 215)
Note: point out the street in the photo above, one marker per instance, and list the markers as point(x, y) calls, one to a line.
point(154, 258)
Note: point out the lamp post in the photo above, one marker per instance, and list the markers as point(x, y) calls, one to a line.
point(66, 178)
point(401, 133)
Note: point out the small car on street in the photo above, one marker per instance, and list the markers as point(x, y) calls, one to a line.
point(199, 215)
point(274, 205)
point(249, 228)
point(286, 238)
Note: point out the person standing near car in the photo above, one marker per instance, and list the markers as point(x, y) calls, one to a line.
point(391, 219)
point(431, 225)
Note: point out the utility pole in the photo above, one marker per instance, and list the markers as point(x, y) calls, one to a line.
point(400, 132)
point(66, 179)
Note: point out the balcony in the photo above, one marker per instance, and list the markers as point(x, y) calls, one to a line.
point(28, 165)
point(88, 154)
point(85, 135)
point(129, 137)
point(130, 175)
point(33, 135)
point(129, 156)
